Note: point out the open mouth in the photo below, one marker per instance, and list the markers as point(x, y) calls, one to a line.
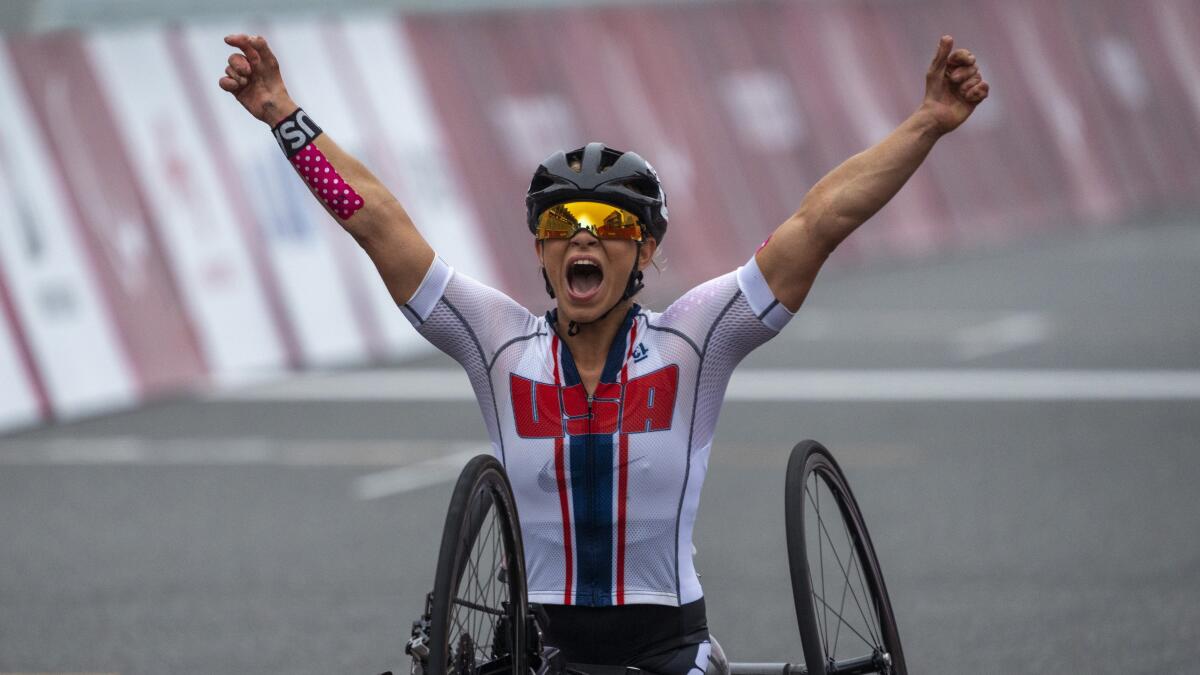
point(584, 277)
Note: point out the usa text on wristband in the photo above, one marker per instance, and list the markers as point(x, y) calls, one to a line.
point(296, 131)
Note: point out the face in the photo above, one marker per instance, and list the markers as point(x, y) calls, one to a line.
point(589, 274)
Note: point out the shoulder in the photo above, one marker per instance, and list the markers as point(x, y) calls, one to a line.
point(452, 308)
point(738, 303)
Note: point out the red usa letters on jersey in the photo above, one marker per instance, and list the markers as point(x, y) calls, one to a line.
point(643, 404)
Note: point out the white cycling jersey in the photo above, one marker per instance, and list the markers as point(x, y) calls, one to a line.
point(607, 486)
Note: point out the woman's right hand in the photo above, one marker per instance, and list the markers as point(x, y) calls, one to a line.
point(253, 78)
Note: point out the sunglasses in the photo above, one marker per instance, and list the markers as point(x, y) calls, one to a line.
point(604, 221)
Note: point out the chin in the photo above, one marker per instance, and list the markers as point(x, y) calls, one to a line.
point(581, 314)
point(589, 311)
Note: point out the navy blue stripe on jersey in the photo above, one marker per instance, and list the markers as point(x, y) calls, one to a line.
point(593, 465)
point(592, 493)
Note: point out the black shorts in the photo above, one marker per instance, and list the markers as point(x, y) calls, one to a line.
point(657, 638)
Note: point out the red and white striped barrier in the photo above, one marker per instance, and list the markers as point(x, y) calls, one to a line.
point(154, 239)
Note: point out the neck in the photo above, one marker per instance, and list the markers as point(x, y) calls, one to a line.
point(589, 347)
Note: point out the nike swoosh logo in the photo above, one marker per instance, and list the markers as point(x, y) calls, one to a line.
point(548, 478)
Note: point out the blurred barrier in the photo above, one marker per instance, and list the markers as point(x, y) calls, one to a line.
point(744, 105)
point(154, 240)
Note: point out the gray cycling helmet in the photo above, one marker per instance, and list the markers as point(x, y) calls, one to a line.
point(606, 175)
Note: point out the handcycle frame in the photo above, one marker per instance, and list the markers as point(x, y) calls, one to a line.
point(521, 623)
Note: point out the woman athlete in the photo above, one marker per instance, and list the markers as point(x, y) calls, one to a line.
point(602, 411)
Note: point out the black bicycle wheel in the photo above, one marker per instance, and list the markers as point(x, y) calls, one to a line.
point(842, 606)
point(479, 606)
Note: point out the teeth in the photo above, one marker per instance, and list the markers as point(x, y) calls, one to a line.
point(589, 263)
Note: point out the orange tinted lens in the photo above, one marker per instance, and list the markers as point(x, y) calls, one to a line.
point(605, 221)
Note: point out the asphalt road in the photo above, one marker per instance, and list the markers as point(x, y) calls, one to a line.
point(269, 532)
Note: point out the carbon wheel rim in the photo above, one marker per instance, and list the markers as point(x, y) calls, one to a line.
point(478, 606)
point(481, 626)
point(844, 592)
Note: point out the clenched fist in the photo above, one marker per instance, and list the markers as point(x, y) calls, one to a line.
point(953, 86)
point(253, 78)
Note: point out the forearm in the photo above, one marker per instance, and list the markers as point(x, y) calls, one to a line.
point(860, 186)
point(348, 190)
point(854, 191)
point(379, 212)
point(360, 203)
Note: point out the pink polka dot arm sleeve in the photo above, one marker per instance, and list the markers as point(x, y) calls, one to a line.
point(326, 183)
point(297, 135)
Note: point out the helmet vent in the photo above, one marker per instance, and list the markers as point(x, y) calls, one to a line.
point(608, 158)
point(575, 160)
point(540, 182)
point(643, 186)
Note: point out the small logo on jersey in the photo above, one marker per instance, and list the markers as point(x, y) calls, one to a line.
point(640, 353)
point(547, 478)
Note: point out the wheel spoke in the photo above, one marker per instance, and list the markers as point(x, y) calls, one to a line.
point(483, 609)
point(487, 565)
point(846, 579)
point(469, 574)
point(816, 502)
point(848, 624)
point(841, 608)
point(492, 579)
point(479, 623)
point(874, 611)
point(845, 573)
point(486, 619)
point(822, 530)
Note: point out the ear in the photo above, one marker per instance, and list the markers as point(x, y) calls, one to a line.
point(646, 252)
point(537, 249)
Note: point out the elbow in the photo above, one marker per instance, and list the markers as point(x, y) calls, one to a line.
point(818, 233)
point(824, 241)
point(826, 226)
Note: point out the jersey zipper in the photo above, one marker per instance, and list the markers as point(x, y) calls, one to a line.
point(591, 490)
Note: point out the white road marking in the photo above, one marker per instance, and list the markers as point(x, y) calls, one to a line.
point(970, 334)
point(449, 384)
point(964, 385)
point(961, 384)
point(133, 450)
point(408, 478)
point(1001, 335)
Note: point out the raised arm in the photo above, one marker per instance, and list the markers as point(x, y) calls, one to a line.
point(854, 191)
point(347, 189)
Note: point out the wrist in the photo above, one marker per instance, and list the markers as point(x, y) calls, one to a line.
point(277, 110)
point(295, 132)
point(927, 123)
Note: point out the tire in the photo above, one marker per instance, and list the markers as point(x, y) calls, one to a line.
point(479, 604)
point(842, 607)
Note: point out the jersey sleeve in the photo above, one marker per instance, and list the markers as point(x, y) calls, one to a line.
point(732, 314)
point(724, 320)
point(464, 318)
point(763, 303)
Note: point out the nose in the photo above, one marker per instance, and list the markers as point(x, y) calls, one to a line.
point(584, 239)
